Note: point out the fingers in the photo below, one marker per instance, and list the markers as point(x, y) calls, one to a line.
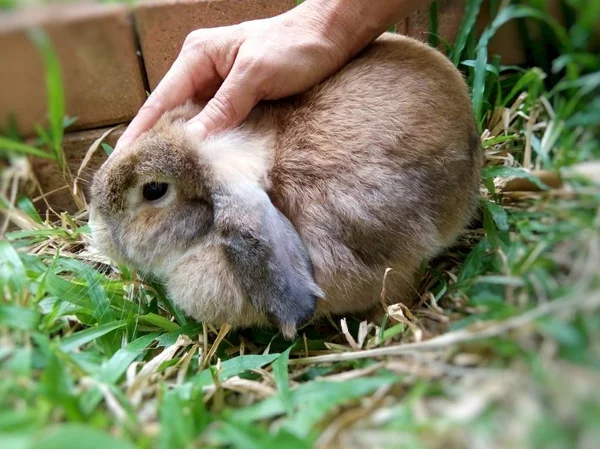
point(232, 103)
point(186, 76)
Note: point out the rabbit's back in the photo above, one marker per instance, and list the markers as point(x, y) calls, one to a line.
point(378, 167)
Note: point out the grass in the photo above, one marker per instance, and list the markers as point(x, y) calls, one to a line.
point(502, 352)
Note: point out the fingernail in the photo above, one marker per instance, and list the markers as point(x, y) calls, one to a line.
point(197, 129)
point(122, 142)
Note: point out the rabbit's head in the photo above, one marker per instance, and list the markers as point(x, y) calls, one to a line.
point(149, 202)
point(168, 200)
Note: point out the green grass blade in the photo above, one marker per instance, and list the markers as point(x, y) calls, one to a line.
point(76, 436)
point(85, 336)
point(117, 365)
point(505, 15)
point(182, 417)
point(434, 32)
point(467, 23)
point(313, 400)
point(233, 367)
point(12, 270)
point(13, 317)
point(533, 77)
point(160, 321)
point(280, 371)
point(8, 146)
point(54, 90)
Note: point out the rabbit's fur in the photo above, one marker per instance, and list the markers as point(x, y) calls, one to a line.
point(300, 211)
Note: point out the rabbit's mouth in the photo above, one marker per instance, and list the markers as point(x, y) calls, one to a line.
point(131, 248)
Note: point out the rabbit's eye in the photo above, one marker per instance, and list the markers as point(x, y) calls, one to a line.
point(155, 190)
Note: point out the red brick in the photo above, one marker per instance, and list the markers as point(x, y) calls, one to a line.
point(51, 178)
point(96, 48)
point(163, 25)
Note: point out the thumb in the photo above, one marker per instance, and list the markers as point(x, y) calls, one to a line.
point(229, 107)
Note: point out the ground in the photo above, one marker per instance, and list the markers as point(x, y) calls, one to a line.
point(503, 350)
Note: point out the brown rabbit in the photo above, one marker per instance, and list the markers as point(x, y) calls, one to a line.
point(300, 211)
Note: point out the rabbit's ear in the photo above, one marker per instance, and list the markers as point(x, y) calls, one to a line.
point(266, 255)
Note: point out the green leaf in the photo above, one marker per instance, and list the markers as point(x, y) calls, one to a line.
point(433, 36)
point(107, 148)
point(19, 363)
point(499, 215)
point(182, 418)
point(27, 206)
point(40, 233)
point(312, 401)
point(19, 317)
point(474, 262)
point(490, 229)
point(466, 25)
point(54, 90)
point(117, 365)
point(76, 436)
point(85, 336)
point(101, 303)
point(587, 84)
point(318, 398)
point(8, 146)
point(160, 321)
point(280, 371)
point(12, 268)
point(563, 332)
point(488, 67)
point(233, 367)
point(501, 280)
point(56, 380)
point(505, 15)
point(242, 437)
point(190, 329)
point(533, 77)
point(68, 291)
point(16, 441)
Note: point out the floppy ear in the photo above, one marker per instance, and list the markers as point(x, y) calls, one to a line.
point(266, 255)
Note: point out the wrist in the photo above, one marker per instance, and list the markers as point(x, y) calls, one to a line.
point(347, 25)
point(331, 26)
point(350, 25)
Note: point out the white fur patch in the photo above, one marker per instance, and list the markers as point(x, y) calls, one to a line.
point(239, 156)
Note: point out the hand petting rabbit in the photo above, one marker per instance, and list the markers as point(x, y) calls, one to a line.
point(298, 212)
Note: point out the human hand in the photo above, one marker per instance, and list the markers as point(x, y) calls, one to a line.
point(237, 66)
point(258, 60)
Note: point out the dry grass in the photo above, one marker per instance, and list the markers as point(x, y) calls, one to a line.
point(501, 351)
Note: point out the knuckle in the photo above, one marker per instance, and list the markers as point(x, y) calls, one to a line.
point(252, 59)
point(196, 43)
point(260, 60)
point(223, 109)
point(151, 107)
point(192, 39)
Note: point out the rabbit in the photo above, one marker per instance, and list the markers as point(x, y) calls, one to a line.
point(324, 203)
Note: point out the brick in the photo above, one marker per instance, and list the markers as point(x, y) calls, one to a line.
point(51, 179)
point(163, 25)
point(95, 45)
